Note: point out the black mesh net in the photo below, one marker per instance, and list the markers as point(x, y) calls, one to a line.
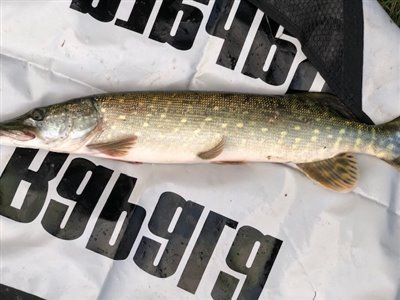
point(331, 33)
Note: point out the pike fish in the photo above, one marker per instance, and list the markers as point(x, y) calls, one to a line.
point(311, 131)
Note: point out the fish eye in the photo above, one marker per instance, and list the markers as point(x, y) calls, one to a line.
point(37, 115)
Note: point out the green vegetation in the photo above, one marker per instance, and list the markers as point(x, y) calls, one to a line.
point(392, 7)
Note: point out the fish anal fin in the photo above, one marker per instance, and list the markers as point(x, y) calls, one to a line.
point(116, 148)
point(214, 151)
point(339, 173)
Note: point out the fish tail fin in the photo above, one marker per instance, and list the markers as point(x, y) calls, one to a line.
point(391, 142)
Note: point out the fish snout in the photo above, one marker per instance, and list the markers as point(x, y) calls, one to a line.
point(16, 130)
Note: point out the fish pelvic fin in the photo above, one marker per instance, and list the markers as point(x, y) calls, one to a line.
point(390, 144)
point(117, 148)
point(339, 173)
point(214, 151)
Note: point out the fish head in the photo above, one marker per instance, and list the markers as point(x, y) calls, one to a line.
point(51, 127)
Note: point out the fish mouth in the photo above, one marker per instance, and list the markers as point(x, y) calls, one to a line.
point(16, 130)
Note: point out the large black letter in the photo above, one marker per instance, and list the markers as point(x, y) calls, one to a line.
point(203, 250)
point(281, 62)
point(257, 273)
point(104, 11)
point(236, 35)
point(187, 29)
point(16, 171)
point(117, 203)
point(177, 239)
point(139, 16)
point(304, 77)
point(85, 200)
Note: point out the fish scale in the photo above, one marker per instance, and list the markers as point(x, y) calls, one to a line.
point(313, 131)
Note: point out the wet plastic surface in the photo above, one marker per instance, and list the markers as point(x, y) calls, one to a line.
point(96, 229)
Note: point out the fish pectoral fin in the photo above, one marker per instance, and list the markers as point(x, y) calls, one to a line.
point(214, 151)
point(115, 148)
point(339, 173)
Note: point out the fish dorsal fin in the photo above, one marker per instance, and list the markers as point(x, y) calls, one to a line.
point(115, 148)
point(214, 151)
point(333, 103)
point(339, 173)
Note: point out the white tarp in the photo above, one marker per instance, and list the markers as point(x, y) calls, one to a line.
point(323, 245)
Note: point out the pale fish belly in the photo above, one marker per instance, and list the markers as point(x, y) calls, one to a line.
point(257, 142)
point(236, 149)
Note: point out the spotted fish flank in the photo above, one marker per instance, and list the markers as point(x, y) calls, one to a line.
point(310, 130)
